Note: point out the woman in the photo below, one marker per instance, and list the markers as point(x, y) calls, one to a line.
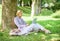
point(24, 28)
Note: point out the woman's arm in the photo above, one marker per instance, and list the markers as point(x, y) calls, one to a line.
point(17, 23)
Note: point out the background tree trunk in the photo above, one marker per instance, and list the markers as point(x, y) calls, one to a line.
point(9, 8)
point(33, 8)
point(22, 3)
point(36, 7)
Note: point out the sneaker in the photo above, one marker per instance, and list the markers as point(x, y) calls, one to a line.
point(47, 32)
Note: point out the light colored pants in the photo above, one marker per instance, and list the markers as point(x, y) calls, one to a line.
point(35, 27)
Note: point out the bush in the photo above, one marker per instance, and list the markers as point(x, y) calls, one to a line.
point(1, 34)
point(46, 12)
point(56, 6)
point(56, 14)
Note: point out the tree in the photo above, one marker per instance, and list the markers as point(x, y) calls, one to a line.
point(36, 7)
point(9, 8)
point(24, 2)
point(0, 1)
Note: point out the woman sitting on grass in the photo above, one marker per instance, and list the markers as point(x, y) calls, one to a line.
point(25, 29)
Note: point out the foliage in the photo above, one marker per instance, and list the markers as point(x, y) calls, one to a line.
point(47, 1)
point(26, 1)
point(56, 6)
point(46, 12)
point(55, 2)
point(56, 14)
point(26, 10)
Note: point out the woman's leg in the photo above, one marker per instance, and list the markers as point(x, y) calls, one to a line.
point(38, 27)
point(35, 27)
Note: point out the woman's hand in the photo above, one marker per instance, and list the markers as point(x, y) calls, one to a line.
point(27, 25)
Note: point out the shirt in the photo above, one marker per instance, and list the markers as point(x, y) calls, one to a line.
point(20, 23)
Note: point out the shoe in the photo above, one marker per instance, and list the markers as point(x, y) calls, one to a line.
point(47, 32)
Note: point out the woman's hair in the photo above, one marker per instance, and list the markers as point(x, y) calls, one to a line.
point(18, 12)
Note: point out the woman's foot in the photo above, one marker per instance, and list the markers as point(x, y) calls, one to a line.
point(47, 32)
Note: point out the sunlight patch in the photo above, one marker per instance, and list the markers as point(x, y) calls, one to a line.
point(55, 39)
point(54, 35)
point(48, 25)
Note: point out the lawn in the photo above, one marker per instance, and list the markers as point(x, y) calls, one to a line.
point(53, 24)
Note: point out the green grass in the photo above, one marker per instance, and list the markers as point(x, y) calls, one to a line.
point(52, 25)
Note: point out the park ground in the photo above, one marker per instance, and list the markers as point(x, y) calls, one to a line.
point(45, 19)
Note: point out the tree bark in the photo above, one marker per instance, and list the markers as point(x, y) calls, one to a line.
point(9, 8)
point(36, 7)
point(33, 8)
point(22, 3)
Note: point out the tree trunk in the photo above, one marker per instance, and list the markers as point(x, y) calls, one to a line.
point(9, 8)
point(33, 8)
point(36, 7)
point(22, 3)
